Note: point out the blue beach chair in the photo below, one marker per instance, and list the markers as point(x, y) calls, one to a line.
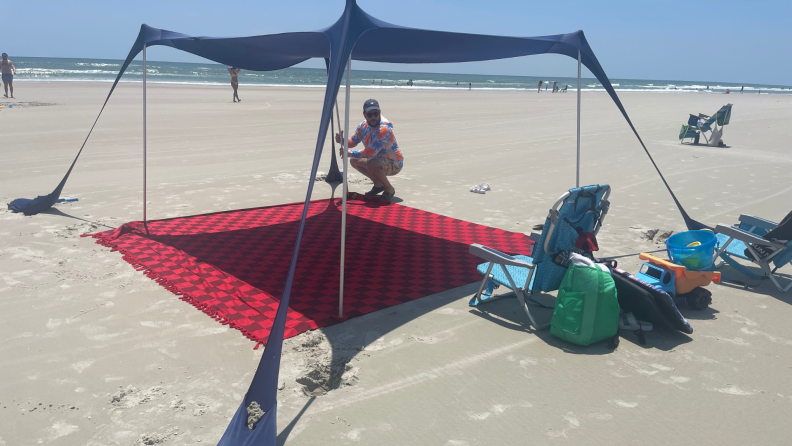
point(582, 207)
point(735, 240)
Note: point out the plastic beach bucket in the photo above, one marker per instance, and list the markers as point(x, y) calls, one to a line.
point(695, 250)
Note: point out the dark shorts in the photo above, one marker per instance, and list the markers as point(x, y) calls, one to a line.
point(8, 78)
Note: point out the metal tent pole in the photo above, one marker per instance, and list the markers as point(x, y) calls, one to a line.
point(144, 133)
point(338, 117)
point(344, 196)
point(577, 169)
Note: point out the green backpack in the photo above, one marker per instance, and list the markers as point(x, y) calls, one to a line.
point(586, 310)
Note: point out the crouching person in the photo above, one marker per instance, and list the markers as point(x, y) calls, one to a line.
point(381, 157)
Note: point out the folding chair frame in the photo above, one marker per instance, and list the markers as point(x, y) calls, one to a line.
point(749, 238)
point(494, 257)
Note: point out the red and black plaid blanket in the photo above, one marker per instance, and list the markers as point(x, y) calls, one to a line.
point(233, 265)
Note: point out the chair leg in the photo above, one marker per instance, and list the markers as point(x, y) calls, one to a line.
point(765, 265)
point(778, 285)
point(477, 297)
point(521, 298)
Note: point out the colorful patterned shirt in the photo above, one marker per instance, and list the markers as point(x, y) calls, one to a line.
point(378, 142)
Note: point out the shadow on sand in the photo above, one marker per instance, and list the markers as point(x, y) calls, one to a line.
point(58, 212)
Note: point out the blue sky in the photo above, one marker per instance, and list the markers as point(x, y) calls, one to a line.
point(727, 41)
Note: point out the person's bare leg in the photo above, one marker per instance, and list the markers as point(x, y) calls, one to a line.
point(361, 166)
point(11, 86)
point(378, 175)
point(5, 87)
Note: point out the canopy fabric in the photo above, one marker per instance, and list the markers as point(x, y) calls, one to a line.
point(367, 39)
point(364, 38)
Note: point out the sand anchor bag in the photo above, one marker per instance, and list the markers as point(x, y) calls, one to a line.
point(586, 310)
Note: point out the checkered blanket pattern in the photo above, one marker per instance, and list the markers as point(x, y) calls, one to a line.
point(233, 265)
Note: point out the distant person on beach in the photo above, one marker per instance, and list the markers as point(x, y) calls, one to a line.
point(727, 91)
point(8, 71)
point(234, 72)
point(565, 89)
point(742, 88)
point(539, 90)
point(555, 86)
point(381, 157)
point(470, 86)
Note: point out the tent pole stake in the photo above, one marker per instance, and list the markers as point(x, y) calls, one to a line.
point(144, 134)
point(577, 168)
point(344, 196)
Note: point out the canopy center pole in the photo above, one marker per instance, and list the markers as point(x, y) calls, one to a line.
point(144, 133)
point(577, 168)
point(344, 196)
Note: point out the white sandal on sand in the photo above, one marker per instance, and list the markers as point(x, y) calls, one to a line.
point(480, 189)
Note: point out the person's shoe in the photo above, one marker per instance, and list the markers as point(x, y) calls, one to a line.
point(388, 196)
point(375, 191)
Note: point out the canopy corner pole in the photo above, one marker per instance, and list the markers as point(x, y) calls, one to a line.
point(344, 196)
point(577, 168)
point(144, 133)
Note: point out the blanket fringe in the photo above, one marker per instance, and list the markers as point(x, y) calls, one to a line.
point(170, 286)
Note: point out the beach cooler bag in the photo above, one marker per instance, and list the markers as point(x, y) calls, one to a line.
point(586, 310)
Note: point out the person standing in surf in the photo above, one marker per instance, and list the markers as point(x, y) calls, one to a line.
point(234, 72)
point(8, 71)
point(539, 90)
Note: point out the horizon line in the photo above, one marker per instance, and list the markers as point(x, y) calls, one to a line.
point(397, 71)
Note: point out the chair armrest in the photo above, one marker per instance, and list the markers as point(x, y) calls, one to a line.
point(758, 222)
point(495, 256)
point(745, 236)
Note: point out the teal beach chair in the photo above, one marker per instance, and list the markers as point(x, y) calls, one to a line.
point(746, 236)
point(582, 208)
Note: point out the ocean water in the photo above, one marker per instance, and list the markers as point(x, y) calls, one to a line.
point(45, 69)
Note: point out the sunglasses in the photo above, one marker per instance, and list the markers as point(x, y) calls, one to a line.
point(372, 114)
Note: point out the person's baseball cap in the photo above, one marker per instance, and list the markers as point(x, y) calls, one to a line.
point(371, 104)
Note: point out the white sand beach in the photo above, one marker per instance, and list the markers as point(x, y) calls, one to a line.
point(93, 352)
